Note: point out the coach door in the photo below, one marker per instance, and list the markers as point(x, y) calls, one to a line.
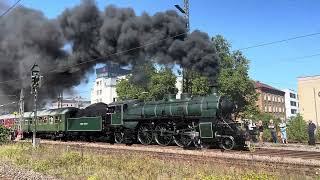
point(117, 115)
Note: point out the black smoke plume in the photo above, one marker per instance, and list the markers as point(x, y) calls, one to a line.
point(27, 36)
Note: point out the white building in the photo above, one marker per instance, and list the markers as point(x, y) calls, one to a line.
point(291, 102)
point(104, 88)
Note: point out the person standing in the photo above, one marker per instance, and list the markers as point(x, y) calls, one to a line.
point(283, 131)
point(272, 128)
point(260, 130)
point(252, 128)
point(311, 130)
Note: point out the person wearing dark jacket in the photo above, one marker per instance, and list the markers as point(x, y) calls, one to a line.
point(311, 130)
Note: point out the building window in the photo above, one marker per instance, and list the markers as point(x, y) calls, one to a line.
point(293, 111)
point(270, 109)
point(292, 95)
point(100, 92)
point(292, 103)
point(100, 100)
point(265, 97)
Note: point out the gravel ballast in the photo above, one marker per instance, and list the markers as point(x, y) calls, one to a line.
point(10, 171)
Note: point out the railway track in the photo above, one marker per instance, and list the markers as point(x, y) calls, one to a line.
point(261, 159)
point(265, 159)
point(259, 154)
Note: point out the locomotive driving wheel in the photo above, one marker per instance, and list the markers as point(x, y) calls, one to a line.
point(227, 143)
point(118, 137)
point(162, 136)
point(182, 140)
point(145, 134)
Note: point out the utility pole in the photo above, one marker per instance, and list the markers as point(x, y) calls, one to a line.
point(35, 84)
point(21, 112)
point(186, 81)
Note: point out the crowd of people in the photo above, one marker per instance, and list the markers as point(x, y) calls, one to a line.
point(255, 131)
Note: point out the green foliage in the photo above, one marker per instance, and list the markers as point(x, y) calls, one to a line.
point(200, 85)
point(4, 134)
point(233, 79)
point(297, 129)
point(318, 134)
point(158, 84)
point(162, 82)
point(126, 90)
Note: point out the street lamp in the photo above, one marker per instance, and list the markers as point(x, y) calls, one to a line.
point(179, 8)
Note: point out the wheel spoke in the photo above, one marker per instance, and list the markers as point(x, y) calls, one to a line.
point(145, 134)
point(161, 137)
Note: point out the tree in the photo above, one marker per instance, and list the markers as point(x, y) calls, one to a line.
point(297, 129)
point(159, 84)
point(163, 82)
point(126, 90)
point(233, 80)
point(200, 85)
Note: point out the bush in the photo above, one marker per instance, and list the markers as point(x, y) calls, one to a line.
point(318, 134)
point(4, 134)
point(297, 129)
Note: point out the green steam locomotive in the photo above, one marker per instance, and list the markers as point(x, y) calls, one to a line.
point(189, 121)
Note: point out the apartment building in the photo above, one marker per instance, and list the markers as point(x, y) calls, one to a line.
point(104, 87)
point(309, 98)
point(292, 103)
point(271, 100)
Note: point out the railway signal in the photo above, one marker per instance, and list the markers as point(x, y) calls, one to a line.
point(35, 85)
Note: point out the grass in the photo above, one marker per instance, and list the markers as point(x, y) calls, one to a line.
point(68, 164)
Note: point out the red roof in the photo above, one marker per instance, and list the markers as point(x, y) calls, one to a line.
point(260, 85)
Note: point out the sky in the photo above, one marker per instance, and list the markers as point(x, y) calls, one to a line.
point(244, 23)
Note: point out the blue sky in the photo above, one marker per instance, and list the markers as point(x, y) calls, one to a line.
point(244, 23)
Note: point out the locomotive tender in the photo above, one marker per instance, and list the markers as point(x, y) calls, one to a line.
point(197, 121)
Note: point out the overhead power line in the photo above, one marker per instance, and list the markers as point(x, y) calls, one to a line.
point(155, 42)
point(10, 8)
point(279, 41)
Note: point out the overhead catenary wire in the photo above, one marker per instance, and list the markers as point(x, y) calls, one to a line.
point(280, 41)
point(10, 8)
point(155, 42)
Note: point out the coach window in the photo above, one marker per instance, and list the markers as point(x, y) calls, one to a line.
point(39, 120)
point(50, 119)
point(56, 119)
point(45, 120)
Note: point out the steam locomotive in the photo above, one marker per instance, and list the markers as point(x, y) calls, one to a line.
point(189, 121)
